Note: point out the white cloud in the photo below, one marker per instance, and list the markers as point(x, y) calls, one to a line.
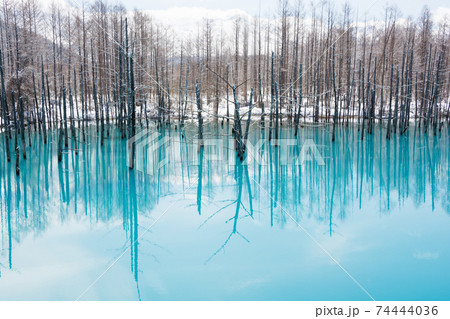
point(63, 4)
point(186, 20)
point(440, 13)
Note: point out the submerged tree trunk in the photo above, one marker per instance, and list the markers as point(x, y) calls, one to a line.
point(335, 101)
point(199, 115)
point(249, 118)
point(16, 145)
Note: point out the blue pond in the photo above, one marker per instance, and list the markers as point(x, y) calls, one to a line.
point(306, 219)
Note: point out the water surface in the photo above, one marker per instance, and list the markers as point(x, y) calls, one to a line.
point(205, 227)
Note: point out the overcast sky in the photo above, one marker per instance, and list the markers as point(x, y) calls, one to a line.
point(185, 16)
point(376, 7)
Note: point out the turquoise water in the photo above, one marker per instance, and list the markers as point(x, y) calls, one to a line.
point(373, 221)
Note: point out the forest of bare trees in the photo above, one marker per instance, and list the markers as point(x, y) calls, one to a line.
point(306, 63)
